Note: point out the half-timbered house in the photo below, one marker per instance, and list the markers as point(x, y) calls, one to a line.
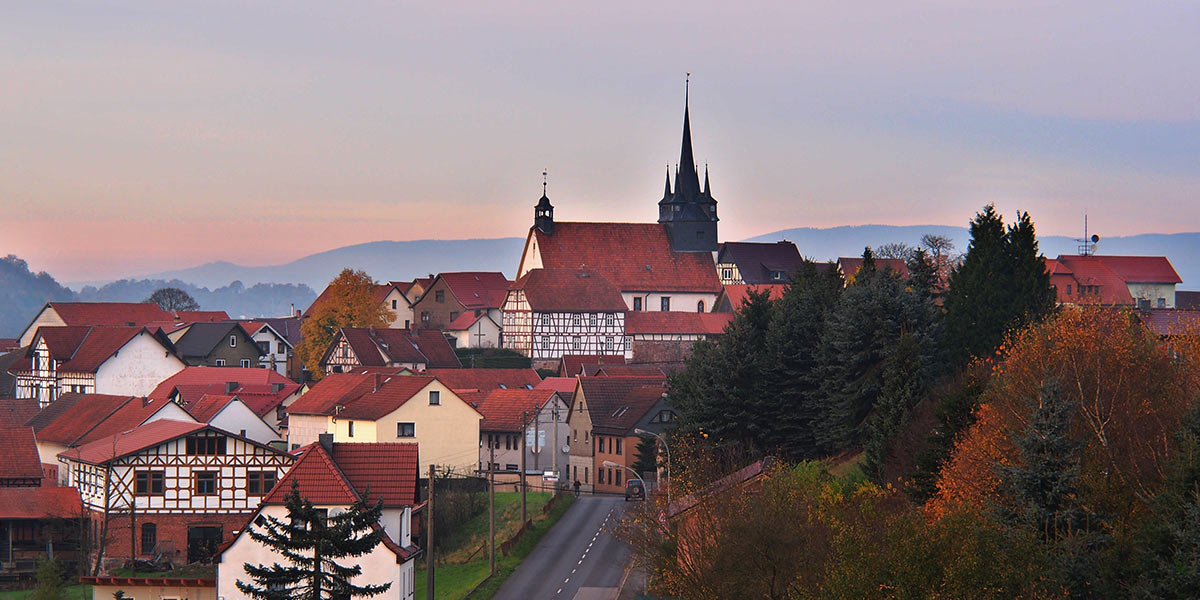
point(550, 313)
point(188, 486)
point(100, 360)
point(416, 349)
point(333, 477)
point(110, 314)
point(756, 263)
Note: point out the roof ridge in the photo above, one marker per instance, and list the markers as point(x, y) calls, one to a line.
point(101, 421)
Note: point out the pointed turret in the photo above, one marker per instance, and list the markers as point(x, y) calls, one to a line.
point(706, 192)
point(687, 183)
point(543, 212)
point(689, 213)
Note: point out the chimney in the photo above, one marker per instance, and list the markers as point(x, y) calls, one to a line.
point(326, 440)
point(293, 309)
point(276, 388)
point(378, 381)
point(230, 386)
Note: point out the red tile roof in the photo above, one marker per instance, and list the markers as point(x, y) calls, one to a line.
point(61, 341)
point(127, 417)
point(571, 365)
point(477, 289)
point(331, 390)
point(737, 294)
point(1166, 322)
point(100, 345)
point(318, 478)
point(851, 264)
point(385, 470)
point(1142, 269)
point(485, 379)
point(9, 344)
point(381, 347)
point(502, 409)
point(1089, 280)
point(123, 444)
point(569, 290)
point(465, 321)
point(18, 453)
point(201, 316)
point(393, 393)
point(110, 314)
point(633, 256)
point(645, 322)
point(616, 404)
point(207, 407)
point(40, 503)
point(18, 411)
point(263, 390)
point(565, 386)
point(625, 371)
point(72, 416)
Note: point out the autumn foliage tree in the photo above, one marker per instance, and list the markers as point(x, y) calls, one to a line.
point(349, 301)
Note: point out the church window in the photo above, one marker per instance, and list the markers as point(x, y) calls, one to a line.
point(637, 304)
point(700, 306)
point(665, 303)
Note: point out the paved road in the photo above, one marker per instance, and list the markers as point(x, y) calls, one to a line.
point(578, 558)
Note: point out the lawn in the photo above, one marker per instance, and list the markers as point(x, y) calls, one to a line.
point(458, 576)
point(70, 593)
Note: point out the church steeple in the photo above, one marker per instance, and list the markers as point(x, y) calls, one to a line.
point(543, 212)
point(689, 213)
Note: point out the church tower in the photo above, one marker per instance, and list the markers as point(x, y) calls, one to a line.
point(543, 212)
point(689, 213)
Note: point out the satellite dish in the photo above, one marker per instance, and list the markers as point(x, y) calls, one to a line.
point(1095, 238)
point(566, 449)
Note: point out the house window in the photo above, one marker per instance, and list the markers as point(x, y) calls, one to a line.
point(592, 320)
point(1162, 302)
point(545, 342)
point(245, 363)
point(637, 303)
point(350, 429)
point(439, 296)
point(205, 483)
point(545, 320)
point(406, 429)
point(618, 445)
point(259, 483)
point(280, 348)
point(628, 344)
point(776, 275)
point(264, 348)
point(617, 472)
point(585, 474)
point(149, 537)
point(205, 446)
point(424, 316)
point(665, 303)
point(453, 316)
point(233, 341)
point(220, 362)
point(610, 320)
point(148, 483)
point(576, 320)
point(576, 342)
point(435, 398)
point(608, 344)
point(726, 273)
point(393, 305)
point(510, 467)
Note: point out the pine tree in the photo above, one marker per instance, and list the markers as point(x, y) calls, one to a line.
point(922, 274)
point(905, 382)
point(312, 543)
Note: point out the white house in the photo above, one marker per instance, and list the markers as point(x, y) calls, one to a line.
point(333, 477)
point(274, 347)
point(231, 414)
point(550, 313)
point(475, 330)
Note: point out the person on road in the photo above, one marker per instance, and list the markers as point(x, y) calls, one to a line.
point(576, 486)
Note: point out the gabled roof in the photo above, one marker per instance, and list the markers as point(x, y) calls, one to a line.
point(18, 411)
point(201, 316)
point(466, 320)
point(18, 453)
point(1141, 269)
point(689, 323)
point(127, 417)
point(40, 503)
point(9, 344)
point(571, 365)
point(756, 260)
point(381, 347)
point(125, 443)
point(565, 386)
point(510, 410)
point(101, 344)
point(623, 371)
point(318, 478)
point(569, 290)
point(61, 342)
point(1088, 271)
point(477, 289)
point(201, 338)
point(331, 390)
point(633, 256)
point(485, 379)
point(263, 390)
point(737, 294)
point(616, 404)
point(381, 471)
point(208, 406)
point(393, 392)
point(287, 327)
point(110, 314)
point(72, 416)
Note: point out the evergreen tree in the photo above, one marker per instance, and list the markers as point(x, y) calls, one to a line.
point(312, 543)
point(922, 274)
point(904, 384)
point(646, 459)
point(953, 414)
point(1030, 294)
point(794, 344)
point(1169, 565)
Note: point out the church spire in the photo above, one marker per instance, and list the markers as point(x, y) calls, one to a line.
point(543, 212)
point(687, 183)
point(667, 191)
point(706, 192)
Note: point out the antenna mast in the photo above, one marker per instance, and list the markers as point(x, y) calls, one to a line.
point(1087, 245)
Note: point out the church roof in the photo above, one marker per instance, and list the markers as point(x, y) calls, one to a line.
point(633, 256)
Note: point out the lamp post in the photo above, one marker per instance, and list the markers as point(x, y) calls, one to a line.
point(662, 439)
point(610, 464)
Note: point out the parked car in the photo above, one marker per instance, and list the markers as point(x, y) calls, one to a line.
point(634, 488)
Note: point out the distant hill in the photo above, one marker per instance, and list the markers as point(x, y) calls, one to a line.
point(1183, 249)
point(23, 293)
point(385, 261)
point(258, 300)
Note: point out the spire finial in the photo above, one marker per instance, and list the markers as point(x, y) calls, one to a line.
point(706, 192)
point(687, 82)
point(544, 181)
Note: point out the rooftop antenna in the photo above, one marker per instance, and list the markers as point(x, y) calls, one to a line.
point(1087, 245)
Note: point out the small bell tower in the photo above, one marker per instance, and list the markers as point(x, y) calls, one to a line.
point(543, 212)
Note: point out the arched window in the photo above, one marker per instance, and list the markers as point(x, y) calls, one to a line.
point(149, 537)
point(700, 306)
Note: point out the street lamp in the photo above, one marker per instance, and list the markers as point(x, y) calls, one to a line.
point(662, 439)
point(610, 464)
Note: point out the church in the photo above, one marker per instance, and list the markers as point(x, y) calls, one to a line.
point(578, 282)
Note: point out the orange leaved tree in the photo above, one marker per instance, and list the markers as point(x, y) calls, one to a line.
point(349, 301)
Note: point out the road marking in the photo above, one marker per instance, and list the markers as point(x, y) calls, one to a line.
point(575, 569)
point(566, 580)
point(559, 591)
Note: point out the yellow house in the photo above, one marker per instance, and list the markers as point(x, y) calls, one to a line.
point(400, 408)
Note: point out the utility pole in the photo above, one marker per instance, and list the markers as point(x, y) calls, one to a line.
point(524, 428)
point(537, 420)
point(492, 509)
point(429, 539)
point(554, 413)
point(132, 539)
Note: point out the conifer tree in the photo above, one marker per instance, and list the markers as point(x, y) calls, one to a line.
point(905, 381)
point(312, 544)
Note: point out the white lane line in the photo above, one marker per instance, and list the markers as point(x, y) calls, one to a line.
point(566, 580)
point(573, 570)
point(559, 591)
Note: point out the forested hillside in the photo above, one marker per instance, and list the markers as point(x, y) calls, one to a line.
point(23, 292)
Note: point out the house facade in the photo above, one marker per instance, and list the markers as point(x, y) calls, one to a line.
point(604, 413)
point(550, 313)
point(471, 330)
point(532, 421)
point(275, 351)
point(224, 344)
point(190, 485)
point(102, 360)
point(756, 263)
point(452, 295)
point(418, 349)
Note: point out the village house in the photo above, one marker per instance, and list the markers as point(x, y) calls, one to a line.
point(666, 338)
point(452, 295)
point(102, 360)
point(572, 365)
point(190, 487)
point(264, 391)
point(1142, 281)
point(733, 296)
point(417, 350)
point(37, 523)
point(333, 477)
point(401, 408)
point(757, 263)
point(551, 312)
point(522, 419)
point(608, 408)
point(275, 352)
point(474, 330)
point(289, 329)
point(77, 419)
point(232, 414)
point(225, 344)
point(110, 314)
point(396, 297)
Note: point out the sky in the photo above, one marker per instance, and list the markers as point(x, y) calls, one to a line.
point(145, 136)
